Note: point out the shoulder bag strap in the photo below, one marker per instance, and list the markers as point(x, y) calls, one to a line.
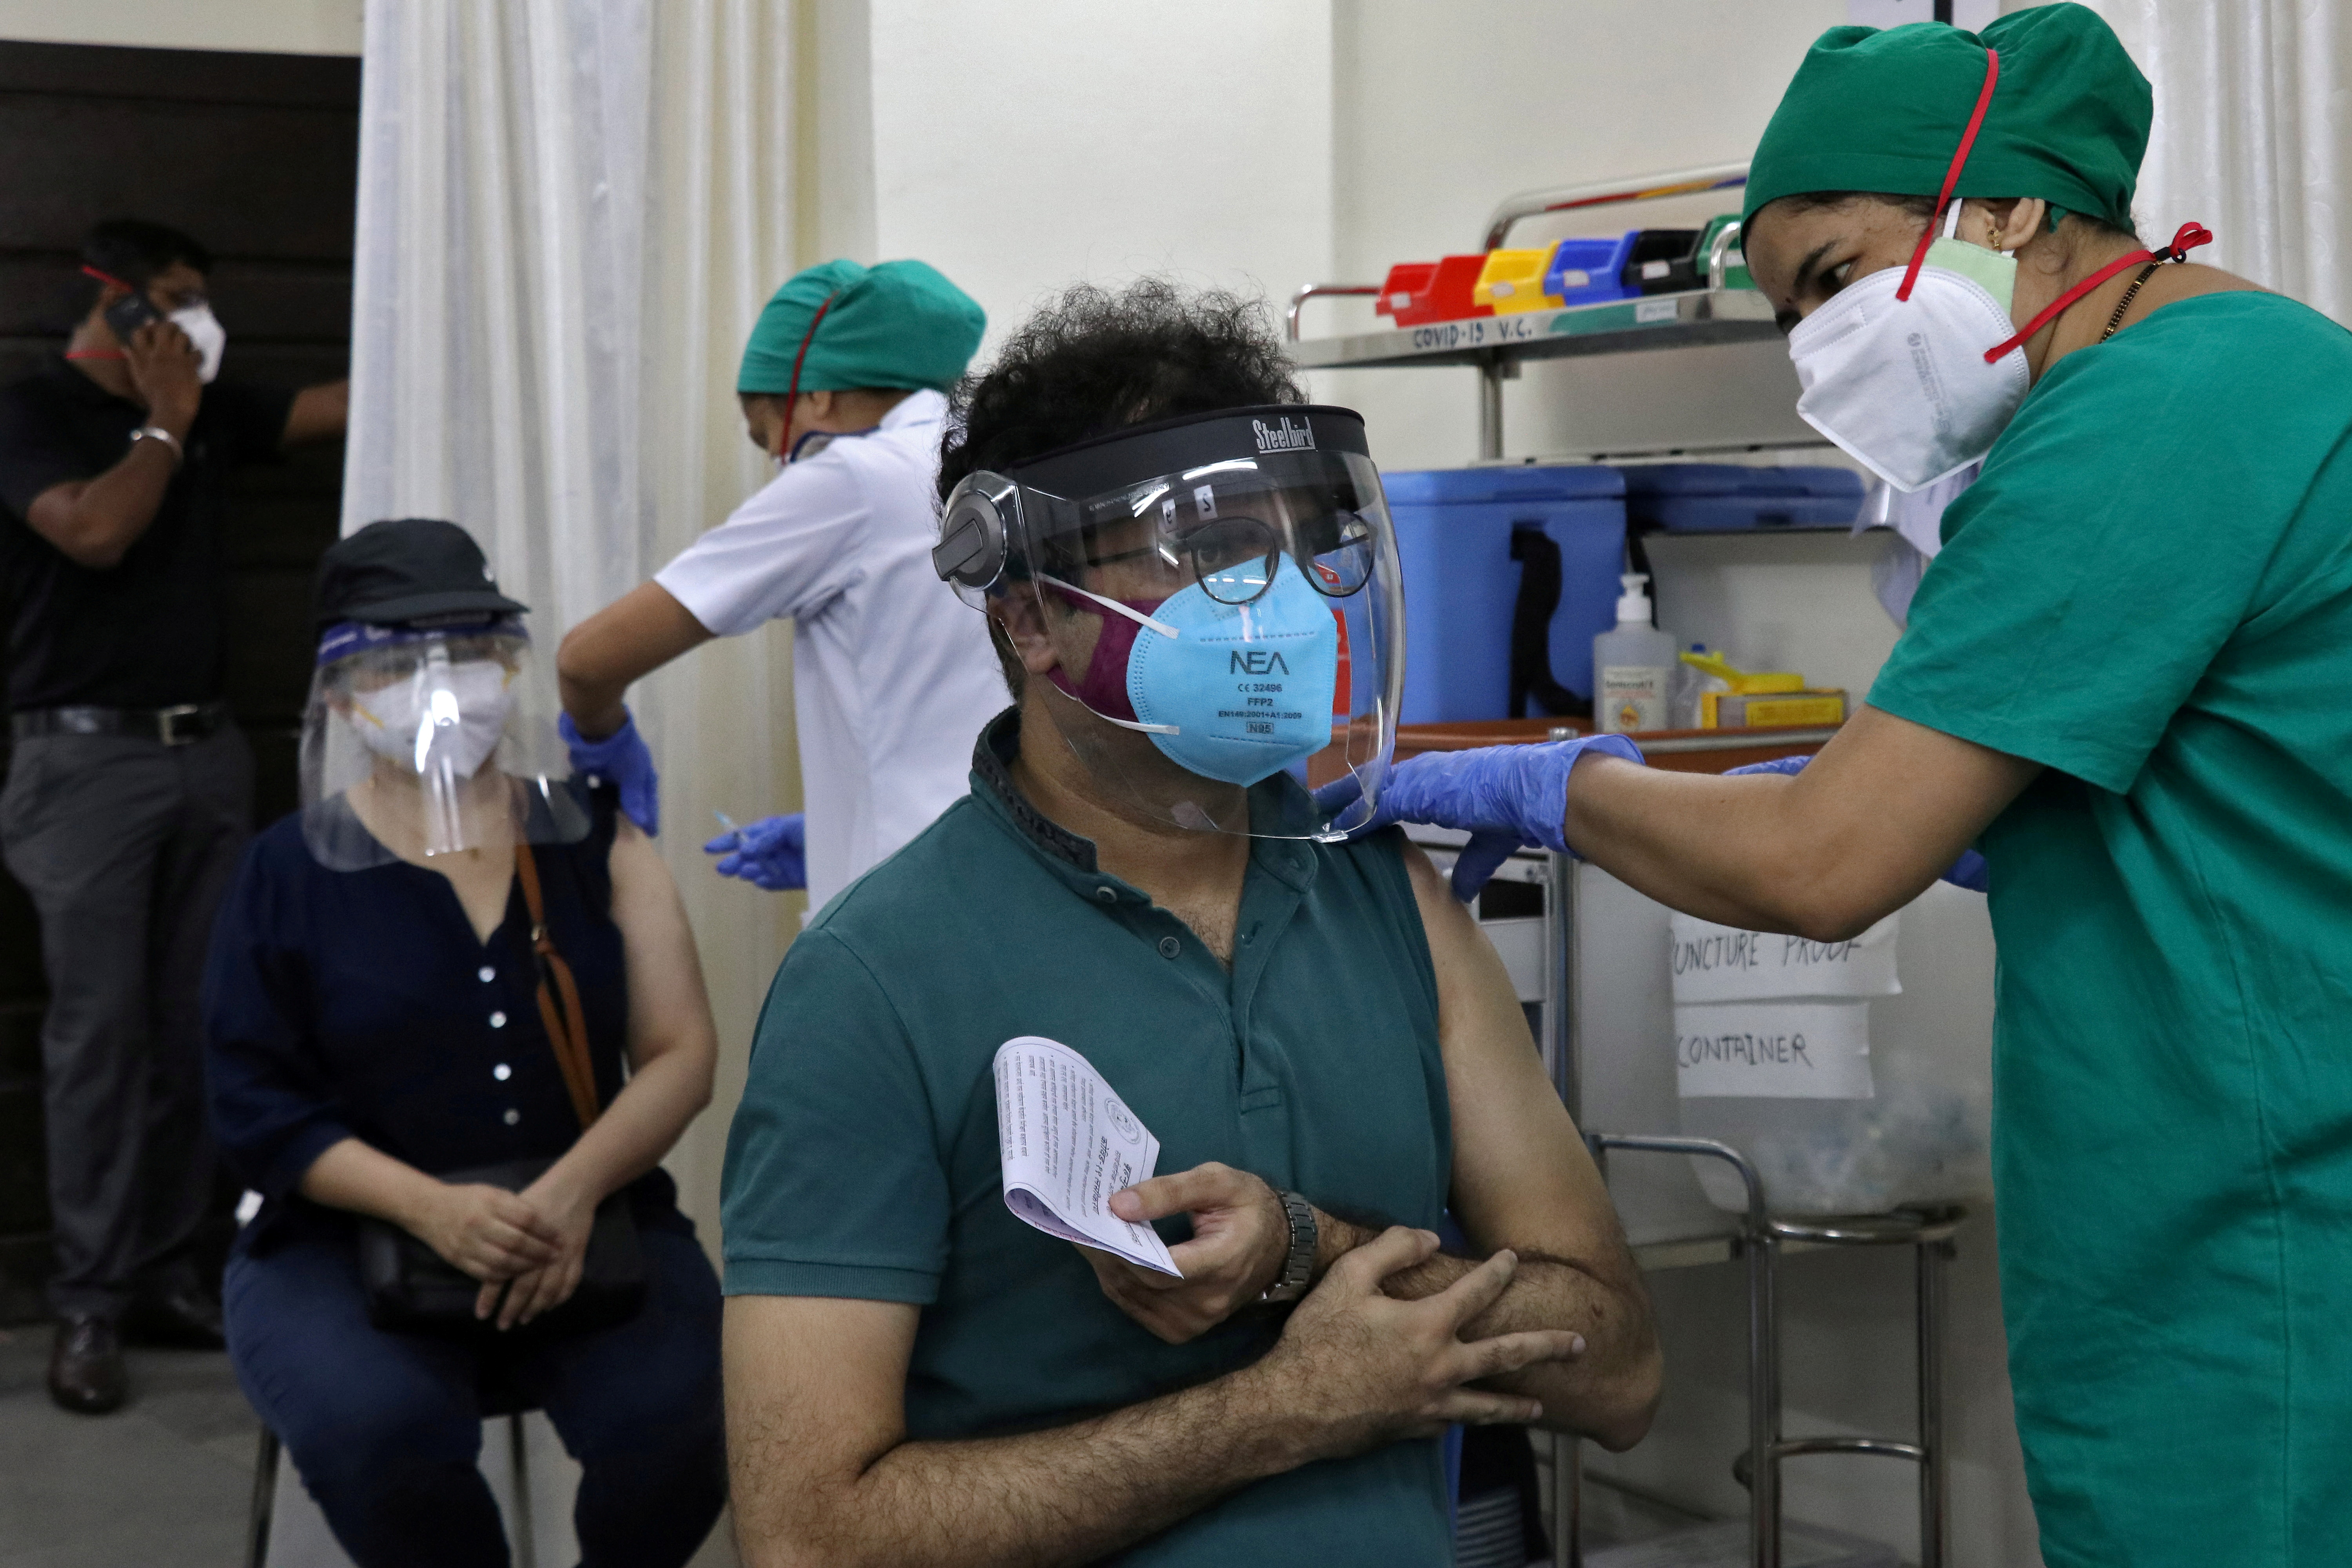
point(567, 1025)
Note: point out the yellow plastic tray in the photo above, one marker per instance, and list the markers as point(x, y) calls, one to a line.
point(1513, 281)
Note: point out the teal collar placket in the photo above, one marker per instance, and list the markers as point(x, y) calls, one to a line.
point(1280, 876)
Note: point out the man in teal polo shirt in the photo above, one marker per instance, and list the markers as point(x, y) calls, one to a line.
point(1189, 576)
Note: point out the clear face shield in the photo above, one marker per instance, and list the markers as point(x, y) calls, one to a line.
point(1223, 601)
point(424, 742)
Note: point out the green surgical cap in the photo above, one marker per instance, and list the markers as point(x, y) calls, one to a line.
point(897, 324)
point(1885, 111)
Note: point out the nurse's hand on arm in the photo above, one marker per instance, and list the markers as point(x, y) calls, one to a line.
point(631, 637)
point(1886, 809)
point(1506, 797)
point(824, 1472)
point(1522, 1180)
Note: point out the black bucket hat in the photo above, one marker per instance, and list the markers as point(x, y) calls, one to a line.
point(407, 569)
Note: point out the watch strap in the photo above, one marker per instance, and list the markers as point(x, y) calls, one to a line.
point(1298, 1263)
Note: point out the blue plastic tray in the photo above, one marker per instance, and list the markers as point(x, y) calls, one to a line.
point(1600, 261)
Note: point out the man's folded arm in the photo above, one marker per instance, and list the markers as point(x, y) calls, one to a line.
point(1524, 1180)
point(824, 1473)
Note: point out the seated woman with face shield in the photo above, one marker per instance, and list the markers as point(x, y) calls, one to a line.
point(454, 1019)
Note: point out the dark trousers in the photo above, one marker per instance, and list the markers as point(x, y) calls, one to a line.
point(126, 846)
point(386, 1429)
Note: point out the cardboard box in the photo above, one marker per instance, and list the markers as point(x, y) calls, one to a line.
point(1771, 710)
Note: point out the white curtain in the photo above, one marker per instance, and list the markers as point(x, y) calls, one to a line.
point(569, 213)
point(2253, 136)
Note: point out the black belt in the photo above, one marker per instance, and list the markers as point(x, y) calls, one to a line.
point(179, 726)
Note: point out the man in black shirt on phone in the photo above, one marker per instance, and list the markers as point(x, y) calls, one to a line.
point(129, 791)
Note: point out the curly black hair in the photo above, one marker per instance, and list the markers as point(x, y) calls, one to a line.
point(135, 251)
point(1096, 360)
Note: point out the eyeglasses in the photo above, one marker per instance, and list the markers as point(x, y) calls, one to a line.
point(1234, 559)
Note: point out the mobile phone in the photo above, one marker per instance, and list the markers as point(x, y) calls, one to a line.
point(130, 313)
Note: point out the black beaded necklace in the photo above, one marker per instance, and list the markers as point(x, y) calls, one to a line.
point(2130, 294)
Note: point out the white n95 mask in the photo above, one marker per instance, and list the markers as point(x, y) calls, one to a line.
point(419, 723)
point(206, 335)
point(1902, 385)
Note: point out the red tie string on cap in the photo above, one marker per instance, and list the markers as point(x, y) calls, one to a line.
point(792, 394)
point(1952, 174)
point(2186, 238)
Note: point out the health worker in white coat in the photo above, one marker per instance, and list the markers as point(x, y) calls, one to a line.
point(840, 384)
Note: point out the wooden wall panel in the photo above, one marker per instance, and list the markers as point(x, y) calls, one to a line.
point(245, 179)
point(260, 300)
point(257, 155)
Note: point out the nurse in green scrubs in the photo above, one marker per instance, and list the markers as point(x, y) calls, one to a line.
point(2127, 679)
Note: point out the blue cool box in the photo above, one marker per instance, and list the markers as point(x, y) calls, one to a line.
point(1718, 498)
point(1453, 533)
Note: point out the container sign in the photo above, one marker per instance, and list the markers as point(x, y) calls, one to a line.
point(1773, 1051)
point(1724, 963)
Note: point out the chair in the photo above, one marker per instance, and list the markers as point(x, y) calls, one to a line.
point(499, 1405)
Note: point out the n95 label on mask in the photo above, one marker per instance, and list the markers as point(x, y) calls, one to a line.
point(1773, 1051)
point(1067, 1143)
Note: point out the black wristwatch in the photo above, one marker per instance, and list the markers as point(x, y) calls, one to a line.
point(1298, 1265)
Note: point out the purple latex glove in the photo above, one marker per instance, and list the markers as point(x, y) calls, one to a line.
point(1968, 871)
point(1505, 797)
point(621, 757)
point(771, 853)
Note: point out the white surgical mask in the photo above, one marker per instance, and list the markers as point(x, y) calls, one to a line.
point(1902, 385)
point(418, 724)
point(205, 331)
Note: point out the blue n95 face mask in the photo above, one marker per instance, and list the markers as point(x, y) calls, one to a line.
point(1234, 692)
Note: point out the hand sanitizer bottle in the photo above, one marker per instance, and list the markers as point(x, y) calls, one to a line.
point(1633, 666)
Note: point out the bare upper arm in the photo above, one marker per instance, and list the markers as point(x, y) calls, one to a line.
point(669, 1008)
point(1522, 1177)
point(51, 516)
point(317, 413)
point(635, 635)
point(816, 1392)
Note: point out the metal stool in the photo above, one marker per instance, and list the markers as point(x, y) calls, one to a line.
point(1928, 1231)
point(496, 1403)
point(1758, 1244)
